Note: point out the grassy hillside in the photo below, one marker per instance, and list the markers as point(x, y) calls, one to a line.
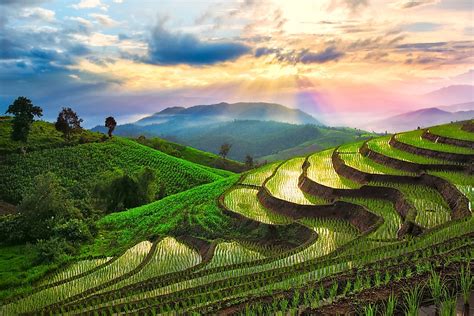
point(80, 167)
point(43, 135)
point(191, 154)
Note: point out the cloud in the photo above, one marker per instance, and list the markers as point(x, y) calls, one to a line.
point(104, 19)
point(39, 14)
point(171, 48)
point(421, 27)
point(329, 54)
point(352, 5)
point(408, 4)
point(21, 3)
point(89, 4)
point(304, 56)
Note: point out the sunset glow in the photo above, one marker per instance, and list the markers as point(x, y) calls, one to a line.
point(371, 58)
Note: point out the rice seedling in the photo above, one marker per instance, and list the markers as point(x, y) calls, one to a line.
point(412, 300)
point(322, 171)
point(452, 131)
point(390, 305)
point(284, 184)
point(126, 263)
point(258, 176)
point(351, 156)
point(370, 310)
point(414, 138)
point(432, 209)
point(75, 269)
point(381, 145)
point(227, 253)
point(244, 201)
point(465, 283)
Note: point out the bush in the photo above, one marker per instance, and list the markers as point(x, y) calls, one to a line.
point(52, 250)
point(74, 230)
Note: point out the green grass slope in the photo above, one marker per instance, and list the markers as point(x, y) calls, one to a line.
point(42, 135)
point(192, 154)
point(79, 167)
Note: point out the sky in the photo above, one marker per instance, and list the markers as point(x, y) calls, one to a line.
point(346, 62)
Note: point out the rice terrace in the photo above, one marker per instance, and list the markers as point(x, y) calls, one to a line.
point(237, 157)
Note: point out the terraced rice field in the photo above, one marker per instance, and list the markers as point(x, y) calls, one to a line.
point(414, 138)
point(283, 184)
point(342, 261)
point(351, 156)
point(322, 171)
point(381, 145)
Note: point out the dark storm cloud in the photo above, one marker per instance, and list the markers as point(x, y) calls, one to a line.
point(172, 48)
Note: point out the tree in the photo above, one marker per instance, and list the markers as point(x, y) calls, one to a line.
point(45, 206)
point(118, 192)
point(24, 112)
point(110, 123)
point(224, 151)
point(68, 123)
point(248, 162)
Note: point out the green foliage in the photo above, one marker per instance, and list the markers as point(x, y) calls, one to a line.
point(42, 135)
point(80, 167)
point(24, 112)
point(68, 123)
point(52, 249)
point(126, 191)
point(191, 154)
point(45, 206)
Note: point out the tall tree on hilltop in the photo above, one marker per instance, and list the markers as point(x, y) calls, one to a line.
point(110, 123)
point(224, 151)
point(68, 123)
point(24, 112)
point(249, 162)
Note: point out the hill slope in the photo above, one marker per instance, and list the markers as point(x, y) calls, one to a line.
point(191, 154)
point(81, 166)
point(251, 137)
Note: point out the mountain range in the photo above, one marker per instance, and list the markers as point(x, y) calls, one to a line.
point(255, 129)
point(424, 118)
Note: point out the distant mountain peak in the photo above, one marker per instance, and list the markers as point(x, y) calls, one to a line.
point(223, 111)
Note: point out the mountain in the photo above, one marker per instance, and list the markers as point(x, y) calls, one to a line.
point(453, 94)
point(221, 112)
point(420, 118)
point(249, 137)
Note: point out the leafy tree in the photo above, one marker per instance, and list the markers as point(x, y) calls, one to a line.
point(224, 151)
point(68, 122)
point(45, 206)
point(119, 192)
point(110, 123)
point(249, 162)
point(24, 112)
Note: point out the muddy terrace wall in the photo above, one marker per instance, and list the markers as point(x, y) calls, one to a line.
point(358, 216)
point(464, 158)
point(406, 165)
point(447, 140)
point(301, 233)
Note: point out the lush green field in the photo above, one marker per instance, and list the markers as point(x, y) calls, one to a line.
point(414, 138)
point(338, 266)
point(192, 154)
point(452, 131)
point(80, 167)
point(43, 135)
